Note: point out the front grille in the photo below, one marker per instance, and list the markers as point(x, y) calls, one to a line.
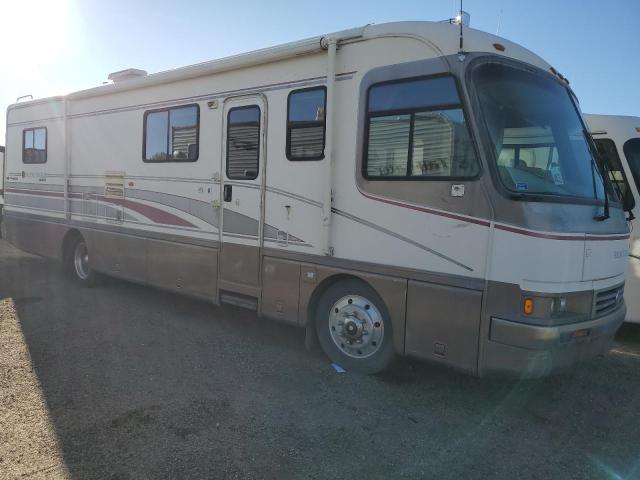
point(608, 300)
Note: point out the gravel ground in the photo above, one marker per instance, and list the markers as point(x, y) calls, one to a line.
point(122, 381)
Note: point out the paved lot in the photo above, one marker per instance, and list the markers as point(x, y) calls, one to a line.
point(123, 381)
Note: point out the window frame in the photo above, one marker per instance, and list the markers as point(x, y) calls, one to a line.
point(226, 139)
point(412, 111)
point(620, 163)
point(489, 155)
point(46, 144)
point(635, 175)
point(168, 109)
point(291, 157)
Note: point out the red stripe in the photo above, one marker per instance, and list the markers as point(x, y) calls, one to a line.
point(46, 193)
point(154, 214)
point(551, 236)
point(607, 237)
point(476, 221)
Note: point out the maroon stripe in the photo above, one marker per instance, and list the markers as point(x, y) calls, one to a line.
point(607, 237)
point(46, 193)
point(476, 221)
point(551, 236)
point(155, 214)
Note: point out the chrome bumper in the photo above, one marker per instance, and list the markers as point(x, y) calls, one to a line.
point(532, 351)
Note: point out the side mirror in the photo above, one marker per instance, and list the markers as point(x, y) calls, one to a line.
point(628, 202)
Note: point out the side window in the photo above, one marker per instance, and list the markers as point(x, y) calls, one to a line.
point(416, 130)
point(306, 124)
point(34, 145)
point(607, 150)
point(243, 142)
point(632, 152)
point(171, 135)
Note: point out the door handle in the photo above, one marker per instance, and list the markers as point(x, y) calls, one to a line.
point(227, 193)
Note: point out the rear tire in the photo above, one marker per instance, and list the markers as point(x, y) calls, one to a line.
point(79, 265)
point(354, 327)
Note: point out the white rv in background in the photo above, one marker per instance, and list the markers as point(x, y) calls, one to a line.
point(354, 184)
point(1, 177)
point(618, 140)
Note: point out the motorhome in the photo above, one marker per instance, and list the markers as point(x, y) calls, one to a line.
point(618, 141)
point(1, 177)
point(355, 184)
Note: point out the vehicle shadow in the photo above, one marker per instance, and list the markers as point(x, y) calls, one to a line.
point(141, 383)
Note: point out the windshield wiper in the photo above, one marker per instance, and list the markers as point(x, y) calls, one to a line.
point(594, 154)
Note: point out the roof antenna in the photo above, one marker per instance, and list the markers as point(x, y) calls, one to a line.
point(460, 22)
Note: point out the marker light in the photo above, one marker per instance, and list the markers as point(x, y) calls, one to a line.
point(528, 306)
point(499, 47)
point(559, 305)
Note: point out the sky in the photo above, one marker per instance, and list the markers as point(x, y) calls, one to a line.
point(53, 47)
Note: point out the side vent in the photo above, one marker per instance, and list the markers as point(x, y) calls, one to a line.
point(114, 184)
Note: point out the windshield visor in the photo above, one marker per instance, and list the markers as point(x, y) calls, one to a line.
point(537, 136)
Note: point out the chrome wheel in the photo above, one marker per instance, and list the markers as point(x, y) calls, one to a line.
point(81, 261)
point(356, 326)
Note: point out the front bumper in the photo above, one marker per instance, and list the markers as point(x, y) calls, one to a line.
point(532, 351)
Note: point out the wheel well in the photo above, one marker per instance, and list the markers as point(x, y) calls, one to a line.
point(69, 241)
point(320, 289)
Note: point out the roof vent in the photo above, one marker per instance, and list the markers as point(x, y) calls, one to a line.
point(127, 74)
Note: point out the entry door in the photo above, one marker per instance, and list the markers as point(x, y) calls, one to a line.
point(242, 193)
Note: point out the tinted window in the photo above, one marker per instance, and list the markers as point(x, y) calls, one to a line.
point(171, 135)
point(413, 94)
point(632, 152)
point(34, 145)
point(306, 124)
point(609, 154)
point(243, 142)
point(426, 138)
point(539, 142)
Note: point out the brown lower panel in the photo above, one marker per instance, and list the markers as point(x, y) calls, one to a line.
point(280, 289)
point(40, 238)
point(240, 264)
point(183, 268)
point(443, 324)
point(117, 254)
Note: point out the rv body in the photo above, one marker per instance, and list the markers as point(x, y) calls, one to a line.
point(1, 177)
point(618, 139)
point(346, 184)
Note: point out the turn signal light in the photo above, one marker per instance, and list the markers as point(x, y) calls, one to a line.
point(528, 306)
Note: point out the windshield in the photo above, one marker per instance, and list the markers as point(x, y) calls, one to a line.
point(632, 152)
point(537, 135)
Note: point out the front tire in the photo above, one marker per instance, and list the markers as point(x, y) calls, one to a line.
point(354, 327)
point(79, 264)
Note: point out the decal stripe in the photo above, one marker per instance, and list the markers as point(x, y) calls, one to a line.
point(499, 226)
point(154, 214)
point(552, 236)
point(431, 211)
point(400, 237)
point(161, 216)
